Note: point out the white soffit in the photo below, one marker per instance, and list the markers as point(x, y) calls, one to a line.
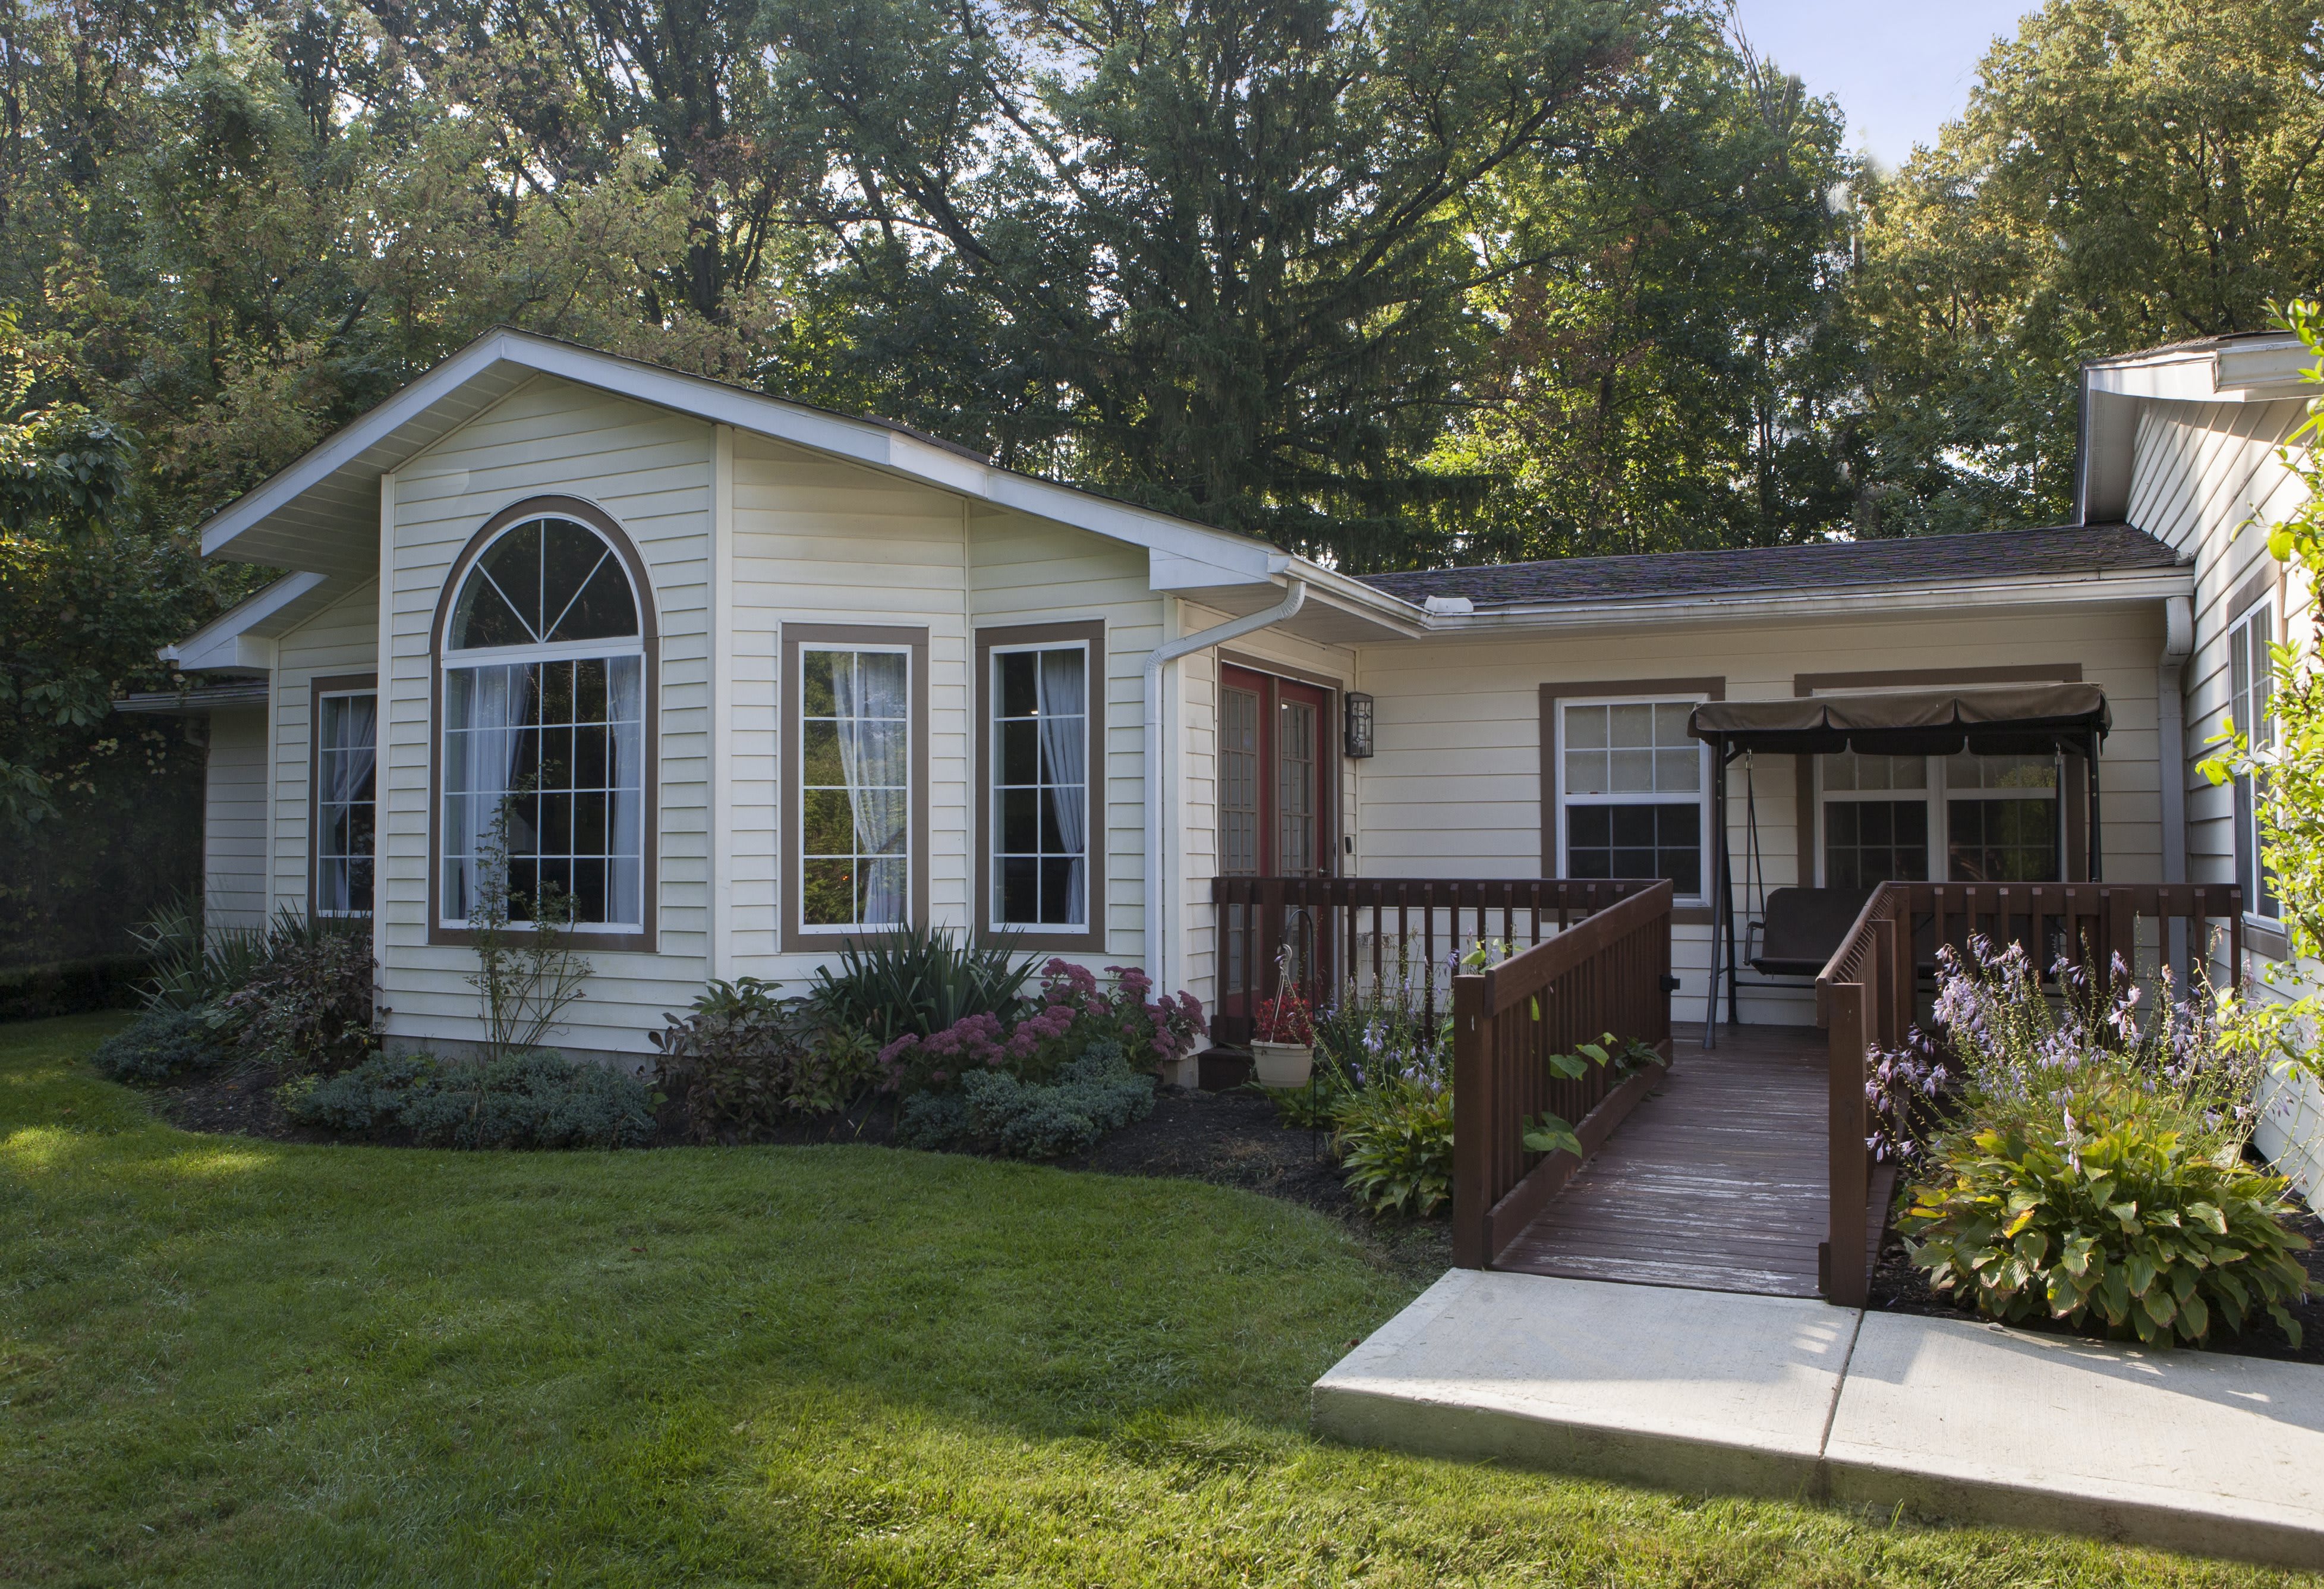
point(274, 611)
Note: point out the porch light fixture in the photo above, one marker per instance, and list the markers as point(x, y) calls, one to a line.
point(1359, 724)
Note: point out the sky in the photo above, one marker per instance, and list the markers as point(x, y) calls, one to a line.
point(1900, 69)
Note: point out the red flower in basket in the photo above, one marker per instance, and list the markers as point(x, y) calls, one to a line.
point(1284, 1020)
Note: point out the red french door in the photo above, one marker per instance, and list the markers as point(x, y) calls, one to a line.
point(1276, 806)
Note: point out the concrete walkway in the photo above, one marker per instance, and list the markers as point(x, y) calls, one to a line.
point(1782, 1396)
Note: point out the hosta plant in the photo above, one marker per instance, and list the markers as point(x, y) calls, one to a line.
point(1395, 1141)
point(2124, 1222)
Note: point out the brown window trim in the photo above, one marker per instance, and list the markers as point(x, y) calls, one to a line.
point(2264, 934)
point(1092, 634)
point(649, 637)
point(2074, 778)
point(1569, 691)
point(1330, 755)
point(796, 938)
point(317, 689)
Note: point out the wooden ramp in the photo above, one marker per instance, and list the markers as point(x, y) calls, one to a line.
point(1716, 1182)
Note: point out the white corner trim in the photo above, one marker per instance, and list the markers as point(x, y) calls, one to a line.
point(721, 606)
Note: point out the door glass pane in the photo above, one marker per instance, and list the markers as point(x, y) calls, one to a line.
point(1296, 786)
point(1239, 781)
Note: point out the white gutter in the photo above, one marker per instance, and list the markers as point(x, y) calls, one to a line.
point(1158, 766)
point(2171, 714)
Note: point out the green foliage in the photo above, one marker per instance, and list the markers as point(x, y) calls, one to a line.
point(1548, 1133)
point(533, 1099)
point(918, 980)
point(1396, 1140)
point(2121, 1223)
point(158, 1044)
point(192, 967)
point(2128, 172)
point(995, 1111)
point(528, 971)
point(744, 1060)
point(312, 1003)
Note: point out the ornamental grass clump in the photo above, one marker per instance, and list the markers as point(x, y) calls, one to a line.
point(2080, 1158)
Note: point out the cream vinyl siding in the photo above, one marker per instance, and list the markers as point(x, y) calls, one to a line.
point(1455, 789)
point(2207, 478)
point(652, 471)
point(1029, 570)
point(341, 639)
point(233, 820)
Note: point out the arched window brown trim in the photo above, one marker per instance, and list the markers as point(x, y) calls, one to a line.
point(650, 640)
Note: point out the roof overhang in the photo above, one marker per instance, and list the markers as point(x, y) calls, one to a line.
point(238, 638)
point(201, 698)
point(320, 514)
point(2240, 369)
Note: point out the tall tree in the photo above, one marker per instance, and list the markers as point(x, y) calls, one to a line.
point(1220, 255)
point(2129, 172)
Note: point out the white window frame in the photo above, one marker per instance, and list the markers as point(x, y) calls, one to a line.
point(1940, 795)
point(315, 734)
point(1702, 801)
point(1091, 774)
point(2256, 621)
point(913, 837)
point(457, 660)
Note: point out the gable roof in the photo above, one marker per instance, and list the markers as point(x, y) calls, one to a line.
point(1824, 568)
point(321, 514)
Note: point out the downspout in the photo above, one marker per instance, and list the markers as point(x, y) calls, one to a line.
point(2170, 723)
point(1158, 765)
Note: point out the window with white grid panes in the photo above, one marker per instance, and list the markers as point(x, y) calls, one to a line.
point(1633, 791)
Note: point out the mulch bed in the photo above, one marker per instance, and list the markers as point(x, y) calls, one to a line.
point(1228, 1139)
point(1899, 1288)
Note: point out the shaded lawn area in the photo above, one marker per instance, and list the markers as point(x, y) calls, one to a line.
point(227, 1361)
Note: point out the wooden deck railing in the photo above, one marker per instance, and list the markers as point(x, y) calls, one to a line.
point(1608, 973)
point(1867, 996)
point(1378, 931)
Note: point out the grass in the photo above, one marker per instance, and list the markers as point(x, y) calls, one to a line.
point(230, 1362)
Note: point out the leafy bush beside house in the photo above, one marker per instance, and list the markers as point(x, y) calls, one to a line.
point(917, 981)
point(160, 1044)
point(535, 1099)
point(745, 1060)
point(1050, 1083)
point(2083, 1160)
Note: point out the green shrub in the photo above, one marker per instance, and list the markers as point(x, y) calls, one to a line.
point(744, 1060)
point(996, 1112)
point(1395, 1139)
point(533, 1099)
point(312, 1005)
point(160, 1044)
point(193, 967)
point(917, 980)
point(2120, 1221)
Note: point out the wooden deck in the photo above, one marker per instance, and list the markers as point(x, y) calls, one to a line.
point(1716, 1182)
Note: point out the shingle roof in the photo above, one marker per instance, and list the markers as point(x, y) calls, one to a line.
point(1997, 554)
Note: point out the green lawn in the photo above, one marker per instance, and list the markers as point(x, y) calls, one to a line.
point(231, 1362)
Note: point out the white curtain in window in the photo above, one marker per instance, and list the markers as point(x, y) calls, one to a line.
point(1062, 699)
point(351, 748)
point(487, 709)
point(870, 695)
point(626, 778)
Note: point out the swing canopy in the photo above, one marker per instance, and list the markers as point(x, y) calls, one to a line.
point(2018, 720)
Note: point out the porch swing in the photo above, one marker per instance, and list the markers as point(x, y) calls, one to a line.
point(1799, 928)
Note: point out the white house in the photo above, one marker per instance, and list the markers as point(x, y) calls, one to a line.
point(767, 677)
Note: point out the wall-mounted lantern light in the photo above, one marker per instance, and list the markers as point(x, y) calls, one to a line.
point(1359, 724)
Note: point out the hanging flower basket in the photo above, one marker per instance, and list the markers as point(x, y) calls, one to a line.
point(1283, 1048)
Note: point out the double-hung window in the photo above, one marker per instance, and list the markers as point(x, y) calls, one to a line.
point(1876, 820)
point(2002, 819)
point(346, 765)
point(1040, 805)
point(2251, 679)
point(1633, 791)
point(544, 733)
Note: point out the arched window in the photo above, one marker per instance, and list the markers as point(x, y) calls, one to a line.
point(544, 699)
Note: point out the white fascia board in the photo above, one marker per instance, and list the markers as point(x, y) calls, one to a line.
point(2237, 372)
point(1857, 602)
point(349, 443)
point(873, 445)
point(222, 641)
